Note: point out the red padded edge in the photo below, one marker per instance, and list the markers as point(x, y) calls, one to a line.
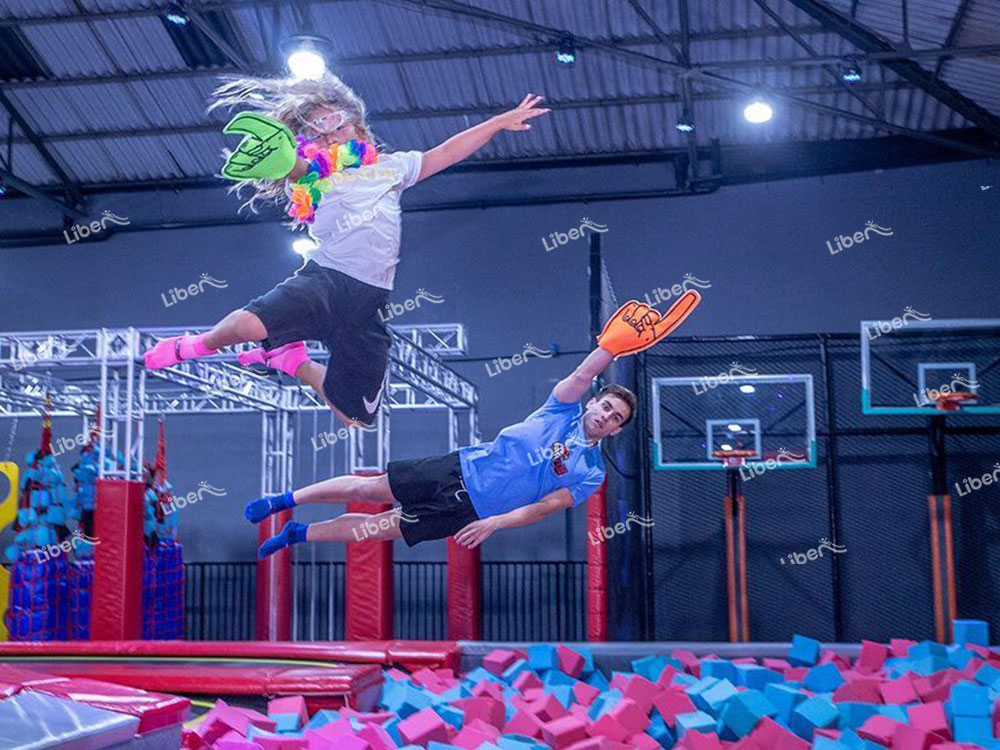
point(345, 682)
point(368, 588)
point(116, 609)
point(433, 654)
point(153, 710)
point(465, 592)
point(274, 584)
point(597, 566)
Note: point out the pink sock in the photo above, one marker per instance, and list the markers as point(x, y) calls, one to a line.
point(193, 347)
point(287, 358)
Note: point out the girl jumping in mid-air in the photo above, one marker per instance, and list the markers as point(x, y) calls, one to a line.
point(309, 143)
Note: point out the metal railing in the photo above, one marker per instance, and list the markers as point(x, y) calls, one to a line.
point(522, 601)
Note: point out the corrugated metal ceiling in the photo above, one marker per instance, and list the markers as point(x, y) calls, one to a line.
point(118, 101)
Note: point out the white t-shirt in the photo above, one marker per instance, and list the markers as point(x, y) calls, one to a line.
point(358, 223)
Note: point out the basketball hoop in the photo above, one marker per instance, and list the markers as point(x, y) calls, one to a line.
point(734, 459)
point(954, 401)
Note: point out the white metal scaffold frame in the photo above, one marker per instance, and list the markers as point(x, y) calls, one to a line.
point(84, 368)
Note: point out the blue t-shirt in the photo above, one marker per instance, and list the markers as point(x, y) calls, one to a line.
point(528, 460)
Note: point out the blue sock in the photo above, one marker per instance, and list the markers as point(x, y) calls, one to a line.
point(259, 509)
point(293, 533)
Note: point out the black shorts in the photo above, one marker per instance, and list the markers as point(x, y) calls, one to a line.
point(342, 313)
point(435, 503)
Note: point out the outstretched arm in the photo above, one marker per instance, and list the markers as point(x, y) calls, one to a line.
point(576, 385)
point(477, 532)
point(466, 143)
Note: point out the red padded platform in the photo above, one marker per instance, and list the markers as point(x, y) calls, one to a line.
point(354, 685)
point(410, 654)
point(153, 710)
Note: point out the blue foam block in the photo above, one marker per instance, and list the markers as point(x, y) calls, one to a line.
point(755, 676)
point(434, 745)
point(519, 742)
point(414, 699)
point(599, 681)
point(563, 693)
point(969, 699)
point(823, 679)
point(286, 723)
point(825, 743)
point(322, 717)
point(971, 631)
point(479, 674)
point(804, 651)
point(603, 703)
point(542, 656)
point(716, 695)
point(895, 711)
point(510, 674)
point(989, 676)
point(682, 678)
point(555, 677)
point(850, 740)
point(853, 715)
point(741, 713)
point(959, 656)
point(588, 661)
point(812, 714)
point(785, 698)
point(659, 730)
point(649, 666)
point(696, 721)
point(720, 668)
point(451, 715)
point(927, 648)
point(974, 729)
point(695, 691)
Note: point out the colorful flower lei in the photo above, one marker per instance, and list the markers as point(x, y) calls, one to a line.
point(309, 189)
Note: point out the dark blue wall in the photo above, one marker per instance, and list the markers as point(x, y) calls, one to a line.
point(762, 247)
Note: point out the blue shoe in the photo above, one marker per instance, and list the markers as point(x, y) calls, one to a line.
point(292, 533)
point(259, 509)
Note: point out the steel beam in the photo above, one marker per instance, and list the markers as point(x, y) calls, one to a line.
point(868, 41)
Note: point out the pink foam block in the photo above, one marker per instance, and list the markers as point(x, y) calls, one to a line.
point(858, 688)
point(396, 674)
point(579, 710)
point(233, 740)
point(487, 710)
point(376, 737)
point(688, 660)
point(878, 729)
point(643, 741)
point(667, 675)
point(316, 741)
point(670, 703)
point(833, 734)
point(630, 715)
point(796, 674)
point(872, 657)
point(570, 661)
point(907, 737)
point(293, 704)
point(971, 667)
point(498, 660)
point(699, 741)
point(769, 735)
point(642, 691)
point(191, 740)
point(212, 727)
point(336, 728)
point(778, 665)
point(607, 726)
point(523, 723)
point(297, 743)
point(256, 718)
point(547, 708)
point(744, 660)
point(489, 689)
point(584, 693)
point(900, 690)
point(564, 731)
point(427, 678)
point(931, 718)
point(598, 743)
point(472, 737)
point(526, 681)
point(422, 727)
point(900, 647)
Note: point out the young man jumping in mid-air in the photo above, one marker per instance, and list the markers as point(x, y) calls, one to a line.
point(549, 462)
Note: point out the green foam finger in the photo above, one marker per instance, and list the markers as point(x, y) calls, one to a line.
point(268, 150)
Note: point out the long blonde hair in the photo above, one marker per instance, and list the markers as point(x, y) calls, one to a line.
point(289, 101)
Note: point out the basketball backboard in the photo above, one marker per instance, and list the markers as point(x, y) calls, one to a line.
point(910, 364)
point(770, 417)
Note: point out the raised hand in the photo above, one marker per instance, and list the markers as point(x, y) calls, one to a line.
point(636, 326)
point(517, 118)
point(268, 150)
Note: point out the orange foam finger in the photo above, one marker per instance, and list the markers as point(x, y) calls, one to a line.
point(669, 322)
